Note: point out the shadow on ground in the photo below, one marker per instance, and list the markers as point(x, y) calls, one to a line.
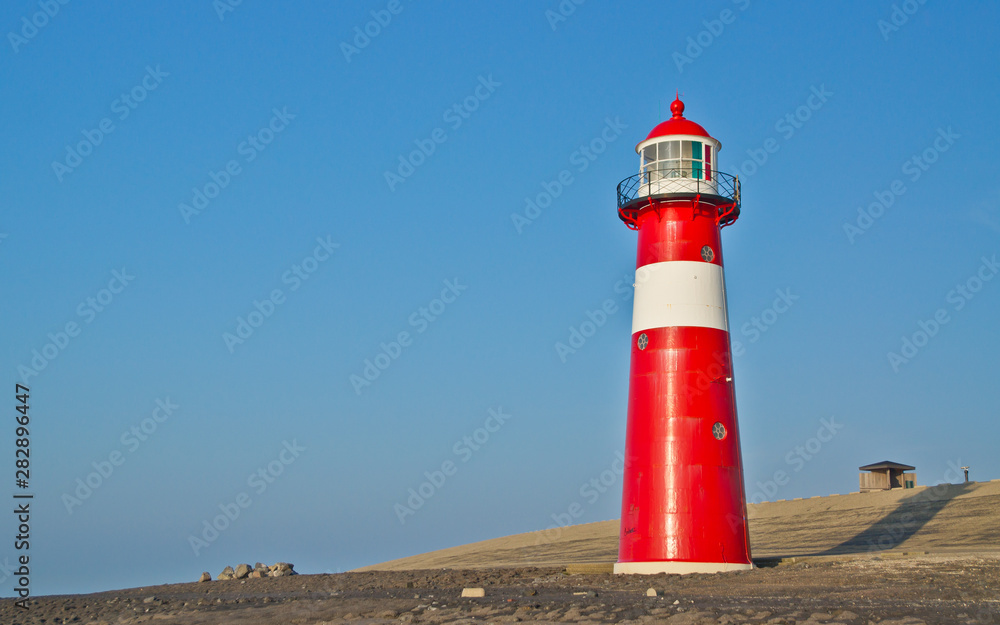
point(898, 526)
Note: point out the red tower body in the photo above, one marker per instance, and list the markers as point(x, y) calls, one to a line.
point(683, 504)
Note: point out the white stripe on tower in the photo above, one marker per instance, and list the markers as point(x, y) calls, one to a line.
point(679, 293)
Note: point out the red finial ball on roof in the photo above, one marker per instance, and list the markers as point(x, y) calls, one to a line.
point(677, 108)
point(678, 124)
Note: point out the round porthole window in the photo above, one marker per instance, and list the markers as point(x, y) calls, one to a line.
point(719, 431)
point(707, 254)
point(643, 341)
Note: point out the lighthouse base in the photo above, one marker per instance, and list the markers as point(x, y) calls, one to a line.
point(678, 568)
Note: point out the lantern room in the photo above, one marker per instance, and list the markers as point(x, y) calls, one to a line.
point(679, 156)
point(678, 160)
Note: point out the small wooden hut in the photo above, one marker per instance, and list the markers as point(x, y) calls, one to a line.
point(886, 475)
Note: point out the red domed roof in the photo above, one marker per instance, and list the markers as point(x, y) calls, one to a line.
point(678, 125)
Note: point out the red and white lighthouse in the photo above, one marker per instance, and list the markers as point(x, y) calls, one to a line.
point(683, 505)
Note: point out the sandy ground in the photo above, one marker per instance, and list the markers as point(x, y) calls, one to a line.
point(922, 589)
point(936, 560)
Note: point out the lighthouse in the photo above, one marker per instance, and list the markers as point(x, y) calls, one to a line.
point(683, 504)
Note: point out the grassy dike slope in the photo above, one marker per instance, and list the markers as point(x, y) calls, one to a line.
point(953, 519)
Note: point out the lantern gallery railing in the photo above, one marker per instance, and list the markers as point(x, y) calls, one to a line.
point(657, 182)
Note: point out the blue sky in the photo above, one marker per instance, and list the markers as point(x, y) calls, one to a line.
point(331, 190)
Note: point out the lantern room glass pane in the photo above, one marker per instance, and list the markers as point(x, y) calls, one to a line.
point(670, 150)
point(696, 150)
point(649, 153)
point(696, 169)
point(685, 149)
